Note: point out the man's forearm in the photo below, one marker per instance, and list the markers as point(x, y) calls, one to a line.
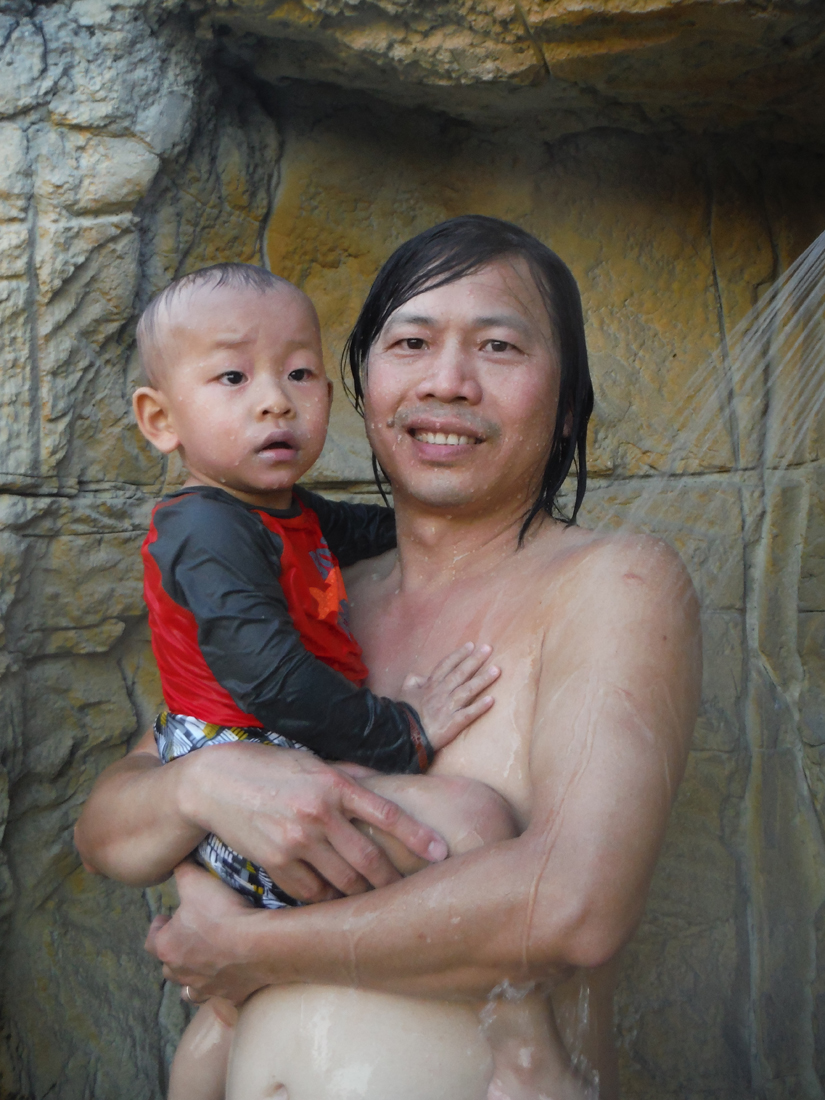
point(131, 828)
point(456, 930)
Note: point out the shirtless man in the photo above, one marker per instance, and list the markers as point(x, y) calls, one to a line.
point(475, 394)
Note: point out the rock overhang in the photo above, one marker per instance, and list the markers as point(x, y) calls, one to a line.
point(560, 67)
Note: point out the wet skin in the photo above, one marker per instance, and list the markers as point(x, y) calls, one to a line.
point(598, 640)
point(245, 398)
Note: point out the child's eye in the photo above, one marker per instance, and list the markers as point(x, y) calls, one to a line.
point(233, 377)
point(300, 374)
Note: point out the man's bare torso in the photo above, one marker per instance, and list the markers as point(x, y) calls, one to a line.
point(520, 607)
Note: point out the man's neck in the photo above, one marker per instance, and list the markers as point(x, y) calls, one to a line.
point(438, 546)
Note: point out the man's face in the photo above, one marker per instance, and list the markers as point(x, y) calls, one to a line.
point(461, 392)
point(248, 398)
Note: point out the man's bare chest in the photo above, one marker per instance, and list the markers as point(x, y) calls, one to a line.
point(403, 636)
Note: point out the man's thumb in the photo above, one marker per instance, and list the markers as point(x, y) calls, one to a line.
point(151, 938)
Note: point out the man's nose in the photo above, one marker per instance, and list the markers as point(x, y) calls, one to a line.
point(451, 376)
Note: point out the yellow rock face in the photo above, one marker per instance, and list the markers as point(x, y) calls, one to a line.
point(569, 64)
point(625, 134)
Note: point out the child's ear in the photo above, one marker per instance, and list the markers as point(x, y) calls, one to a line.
point(152, 414)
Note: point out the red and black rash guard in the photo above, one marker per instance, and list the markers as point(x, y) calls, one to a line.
point(248, 615)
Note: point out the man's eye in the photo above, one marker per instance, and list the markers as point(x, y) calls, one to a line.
point(233, 377)
point(498, 345)
point(299, 374)
point(413, 343)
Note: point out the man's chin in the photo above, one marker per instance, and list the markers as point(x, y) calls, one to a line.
point(443, 495)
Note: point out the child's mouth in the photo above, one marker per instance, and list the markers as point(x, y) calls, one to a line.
point(279, 444)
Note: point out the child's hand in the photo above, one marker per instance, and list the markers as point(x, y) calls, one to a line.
point(448, 699)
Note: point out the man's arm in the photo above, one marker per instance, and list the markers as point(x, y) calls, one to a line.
point(616, 707)
point(132, 827)
point(284, 809)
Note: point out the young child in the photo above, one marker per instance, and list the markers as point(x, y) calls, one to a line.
point(246, 601)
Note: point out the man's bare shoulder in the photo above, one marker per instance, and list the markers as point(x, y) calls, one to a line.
point(622, 620)
point(605, 561)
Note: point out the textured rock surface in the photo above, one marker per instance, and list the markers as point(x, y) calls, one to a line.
point(122, 161)
point(134, 148)
point(567, 65)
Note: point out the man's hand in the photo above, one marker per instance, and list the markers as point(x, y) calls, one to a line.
point(284, 809)
point(291, 813)
point(450, 698)
point(199, 945)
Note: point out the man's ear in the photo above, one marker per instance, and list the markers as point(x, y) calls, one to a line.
point(568, 425)
point(152, 414)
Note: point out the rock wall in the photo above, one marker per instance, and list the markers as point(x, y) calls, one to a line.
point(123, 161)
point(142, 141)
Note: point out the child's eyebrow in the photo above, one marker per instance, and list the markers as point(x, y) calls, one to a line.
point(232, 341)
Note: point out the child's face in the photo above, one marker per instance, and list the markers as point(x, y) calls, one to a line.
point(243, 391)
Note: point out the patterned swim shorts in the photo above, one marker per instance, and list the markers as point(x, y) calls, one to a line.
point(178, 734)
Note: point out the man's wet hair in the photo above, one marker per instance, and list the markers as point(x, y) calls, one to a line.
point(459, 247)
point(236, 275)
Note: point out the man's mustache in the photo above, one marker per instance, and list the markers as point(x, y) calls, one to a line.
point(478, 426)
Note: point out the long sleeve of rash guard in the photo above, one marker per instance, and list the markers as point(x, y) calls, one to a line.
point(218, 562)
point(353, 531)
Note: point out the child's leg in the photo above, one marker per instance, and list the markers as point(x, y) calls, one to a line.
point(529, 1058)
point(201, 1060)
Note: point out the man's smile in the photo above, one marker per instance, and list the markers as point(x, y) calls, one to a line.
point(449, 440)
point(437, 434)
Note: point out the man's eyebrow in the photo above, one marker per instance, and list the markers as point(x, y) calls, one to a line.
point(508, 320)
point(504, 320)
point(410, 319)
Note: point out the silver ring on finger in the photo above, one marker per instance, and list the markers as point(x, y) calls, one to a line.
point(187, 996)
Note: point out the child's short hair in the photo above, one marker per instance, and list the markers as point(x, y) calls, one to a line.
point(234, 275)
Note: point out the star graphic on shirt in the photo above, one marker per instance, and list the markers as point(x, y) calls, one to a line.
point(327, 599)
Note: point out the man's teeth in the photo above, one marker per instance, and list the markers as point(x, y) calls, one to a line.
point(445, 440)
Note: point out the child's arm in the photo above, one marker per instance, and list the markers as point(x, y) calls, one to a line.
point(220, 566)
point(353, 531)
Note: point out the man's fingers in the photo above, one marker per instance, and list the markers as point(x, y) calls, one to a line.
point(355, 771)
point(150, 944)
point(300, 881)
point(352, 868)
point(357, 851)
point(375, 810)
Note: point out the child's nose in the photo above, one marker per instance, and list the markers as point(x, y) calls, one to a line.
point(273, 401)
